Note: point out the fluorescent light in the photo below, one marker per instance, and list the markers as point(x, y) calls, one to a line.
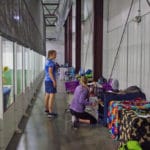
point(17, 17)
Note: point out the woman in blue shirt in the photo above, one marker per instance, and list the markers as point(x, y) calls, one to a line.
point(50, 83)
point(79, 102)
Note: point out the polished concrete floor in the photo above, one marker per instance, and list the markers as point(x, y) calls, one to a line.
point(42, 133)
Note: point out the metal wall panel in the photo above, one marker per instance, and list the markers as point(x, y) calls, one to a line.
point(145, 63)
point(120, 68)
point(87, 36)
point(112, 46)
point(87, 45)
point(134, 53)
point(122, 61)
point(133, 63)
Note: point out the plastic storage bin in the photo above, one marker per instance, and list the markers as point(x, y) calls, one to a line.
point(71, 85)
point(6, 93)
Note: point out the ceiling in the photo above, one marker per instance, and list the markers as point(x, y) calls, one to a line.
point(55, 13)
point(50, 8)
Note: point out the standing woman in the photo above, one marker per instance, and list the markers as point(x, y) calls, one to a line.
point(50, 83)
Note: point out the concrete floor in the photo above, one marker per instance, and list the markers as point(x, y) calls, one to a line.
point(42, 133)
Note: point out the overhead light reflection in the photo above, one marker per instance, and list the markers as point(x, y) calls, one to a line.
point(16, 17)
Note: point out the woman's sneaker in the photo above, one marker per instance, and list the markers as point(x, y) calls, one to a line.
point(51, 115)
point(76, 124)
point(46, 111)
point(73, 118)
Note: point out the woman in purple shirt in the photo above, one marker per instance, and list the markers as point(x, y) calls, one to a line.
point(79, 102)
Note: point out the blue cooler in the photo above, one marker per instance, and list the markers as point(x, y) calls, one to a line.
point(6, 93)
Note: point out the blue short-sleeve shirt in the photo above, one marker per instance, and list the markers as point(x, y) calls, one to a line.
point(49, 64)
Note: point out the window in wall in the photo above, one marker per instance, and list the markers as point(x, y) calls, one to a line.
point(43, 62)
point(19, 69)
point(7, 72)
point(31, 66)
point(35, 65)
point(26, 66)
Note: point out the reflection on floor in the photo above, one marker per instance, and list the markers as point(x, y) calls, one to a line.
point(42, 133)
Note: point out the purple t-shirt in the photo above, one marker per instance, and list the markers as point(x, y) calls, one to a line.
point(80, 99)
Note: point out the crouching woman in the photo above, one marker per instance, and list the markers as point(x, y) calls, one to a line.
point(79, 102)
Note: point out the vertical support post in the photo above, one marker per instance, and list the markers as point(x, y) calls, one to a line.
point(78, 35)
point(65, 37)
point(98, 39)
point(1, 97)
point(1, 82)
point(70, 38)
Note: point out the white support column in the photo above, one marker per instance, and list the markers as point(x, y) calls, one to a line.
point(23, 83)
point(1, 97)
point(15, 65)
point(18, 130)
point(23, 69)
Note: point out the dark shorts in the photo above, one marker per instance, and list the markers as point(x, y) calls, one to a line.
point(49, 88)
point(84, 115)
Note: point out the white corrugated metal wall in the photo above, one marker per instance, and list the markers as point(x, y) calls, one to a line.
point(145, 62)
point(87, 35)
point(133, 65)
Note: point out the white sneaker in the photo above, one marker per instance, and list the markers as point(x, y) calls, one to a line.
point(73, 118)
